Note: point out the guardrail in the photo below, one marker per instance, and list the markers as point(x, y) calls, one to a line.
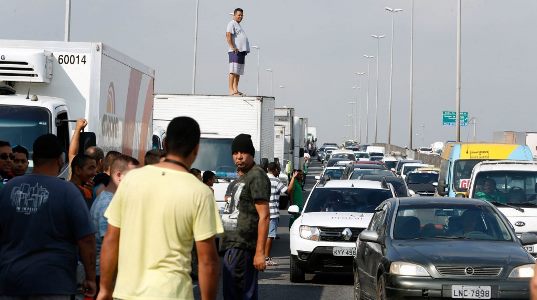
point(432, 159)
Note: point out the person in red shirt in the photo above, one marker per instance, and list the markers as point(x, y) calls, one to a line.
point(83, 169)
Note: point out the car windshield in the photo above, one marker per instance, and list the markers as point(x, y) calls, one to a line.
point(22, 125)
point(361, 155)
point(390, 164)
point(407, 169)
point(358, 173)
point(421, 178)
point(400, 164)
point(333, 173)
point(463, 170)
point(215, 155)
point(513, 187)
point(332, 161)
point(346, 200)
point(439, 221)
point(346, 156)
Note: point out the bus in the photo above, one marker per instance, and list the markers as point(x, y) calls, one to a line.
point(459, 159)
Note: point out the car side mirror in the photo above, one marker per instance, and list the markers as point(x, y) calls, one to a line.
point(528, 238)
point(369, 236)
point(317, 177)
point(293, 210)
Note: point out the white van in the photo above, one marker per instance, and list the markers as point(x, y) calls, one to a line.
point(512, 186)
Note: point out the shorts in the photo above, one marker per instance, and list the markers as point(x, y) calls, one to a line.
point(236, 62)
point(273, 228)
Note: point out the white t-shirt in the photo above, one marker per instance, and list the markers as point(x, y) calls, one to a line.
point(238, 36)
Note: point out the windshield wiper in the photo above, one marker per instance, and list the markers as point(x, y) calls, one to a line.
point(520, 209)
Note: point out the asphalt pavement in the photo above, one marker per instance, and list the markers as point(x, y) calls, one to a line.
point(274, 282)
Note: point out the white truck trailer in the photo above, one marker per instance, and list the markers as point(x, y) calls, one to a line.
point(299, 128)
point(221, 118)
point(45, 86)
point(284, 116)
point(279, 144)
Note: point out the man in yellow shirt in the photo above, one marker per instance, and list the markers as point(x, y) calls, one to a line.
point(154, 218)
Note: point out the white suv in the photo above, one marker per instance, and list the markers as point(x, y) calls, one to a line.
point(322, 238)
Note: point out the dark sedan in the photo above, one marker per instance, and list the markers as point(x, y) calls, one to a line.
point(441, 248)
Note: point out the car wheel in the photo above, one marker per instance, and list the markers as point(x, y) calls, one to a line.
point(297, 274)
point(357, 287)
point(381, 288)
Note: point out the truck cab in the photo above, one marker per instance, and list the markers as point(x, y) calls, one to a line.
point(512, 187)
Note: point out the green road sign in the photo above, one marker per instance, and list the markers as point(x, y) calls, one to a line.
point(448, 118)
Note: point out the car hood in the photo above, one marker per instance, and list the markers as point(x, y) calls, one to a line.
point(337, 219)
point(461, 252)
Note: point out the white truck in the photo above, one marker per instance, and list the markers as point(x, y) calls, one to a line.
point(221, 118)
point(45, 86)
point(284, 116)
point(279, 144)
point(299, 133)
point(512, 186)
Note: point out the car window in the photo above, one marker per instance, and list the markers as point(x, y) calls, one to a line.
point(428, 221)
point(333, 173)
point(378, 219)
point(421, 178)
point(358, 173)
point(346, 200)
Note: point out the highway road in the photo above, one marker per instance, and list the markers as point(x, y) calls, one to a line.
point(274, 282)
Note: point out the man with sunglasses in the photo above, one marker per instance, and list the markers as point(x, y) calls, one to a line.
point(6, 161)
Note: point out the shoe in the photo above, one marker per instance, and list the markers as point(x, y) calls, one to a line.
point(270, 262)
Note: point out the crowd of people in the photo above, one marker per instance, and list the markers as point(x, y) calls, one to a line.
point(115, 229)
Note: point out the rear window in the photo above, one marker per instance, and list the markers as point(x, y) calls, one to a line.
point(421, 178)
point(346, 200)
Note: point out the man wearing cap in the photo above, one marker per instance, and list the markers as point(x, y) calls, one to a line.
point(245, 242)
point(43, 222)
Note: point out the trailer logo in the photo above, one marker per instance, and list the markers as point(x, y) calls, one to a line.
point(110, 122)
point(3, 57)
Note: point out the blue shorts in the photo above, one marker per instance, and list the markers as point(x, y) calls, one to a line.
point(236, 62)
point(273, 228)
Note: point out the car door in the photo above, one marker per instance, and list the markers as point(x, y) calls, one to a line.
point(370, 253)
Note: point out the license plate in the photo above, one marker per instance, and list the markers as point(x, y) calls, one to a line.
point(470, 292)
point(530, 249)
point(344, 251)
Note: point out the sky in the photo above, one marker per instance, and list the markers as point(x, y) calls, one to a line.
point(314, 48)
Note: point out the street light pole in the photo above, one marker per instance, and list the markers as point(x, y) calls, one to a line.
point(258, 55)
point(271, 81)
point(354, 114)
point(195, 48)
point(392, 11)
point(367, 99)
point(458, 79)
point(411, 76)
point(359, 105)
point(67, 28)
point(378, 37)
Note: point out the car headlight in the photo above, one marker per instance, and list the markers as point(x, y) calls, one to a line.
point(309, 233)
point(407, 269)
point(524, 271)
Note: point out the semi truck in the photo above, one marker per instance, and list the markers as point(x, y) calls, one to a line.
point(45, 86)
point(279, 144)
point(284, 116)
point(221, 118)
point(299, 128)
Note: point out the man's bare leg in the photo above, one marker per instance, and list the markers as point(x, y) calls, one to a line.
point(231, 83)
point(236, 83)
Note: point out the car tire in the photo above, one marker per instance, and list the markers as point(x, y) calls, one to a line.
point(297, 274)
point(357, 287)
point(381, 288)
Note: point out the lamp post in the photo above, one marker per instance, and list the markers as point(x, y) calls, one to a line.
point(359, 74)
point(458, 78)
point(353, 103)
point(392, 11)
point(271, 81)
point(258, 55)
point(67, 28)
point(368, 57)
point(378, 37)
point(411, 106)
point(195, 48)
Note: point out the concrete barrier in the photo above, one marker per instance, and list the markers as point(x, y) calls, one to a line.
point(431, 159)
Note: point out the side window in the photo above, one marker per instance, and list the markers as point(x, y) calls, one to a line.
point(63, 131)
point(378, 219)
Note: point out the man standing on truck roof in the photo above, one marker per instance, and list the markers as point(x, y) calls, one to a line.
point(238, 48)
point(245, 242)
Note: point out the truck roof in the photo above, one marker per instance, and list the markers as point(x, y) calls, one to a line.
point(19, 99)
point(506, 165)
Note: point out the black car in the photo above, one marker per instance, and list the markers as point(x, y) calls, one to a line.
point(433, 248)
point(422, 183)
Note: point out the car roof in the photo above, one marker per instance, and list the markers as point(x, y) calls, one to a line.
point(335, 168)
point(354, 183)
point(410, 201)
point(369, 166)
point(343, 151)
point(415, 165)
